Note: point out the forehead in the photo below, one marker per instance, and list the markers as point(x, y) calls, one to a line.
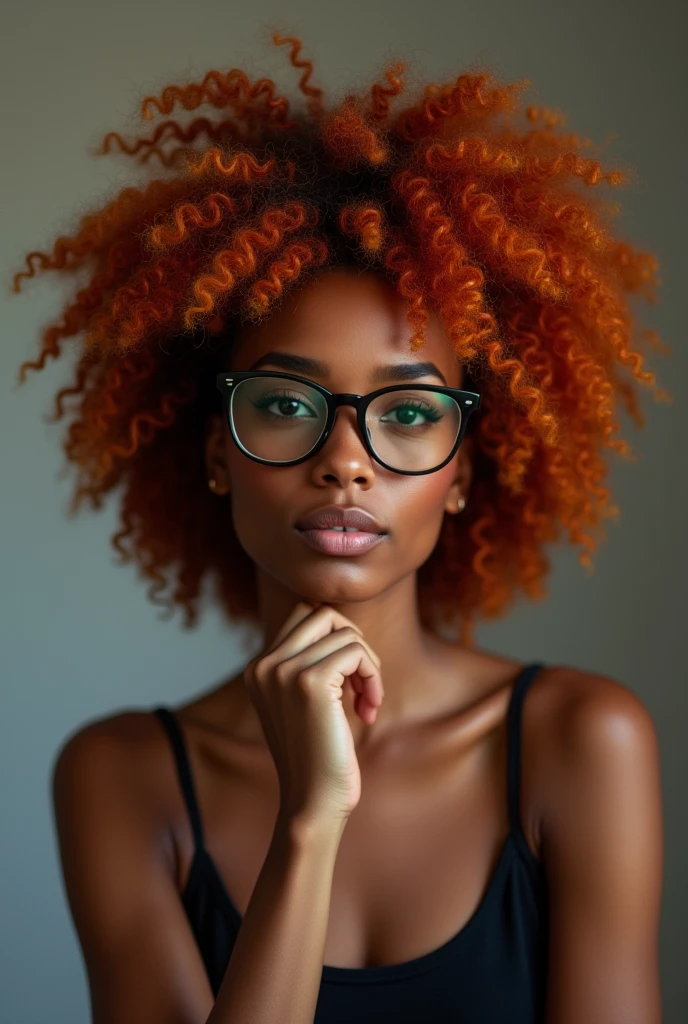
point(352, 322)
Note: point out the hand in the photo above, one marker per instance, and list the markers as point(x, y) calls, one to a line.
point(296, 687)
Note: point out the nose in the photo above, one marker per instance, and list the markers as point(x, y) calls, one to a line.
point(346, 425)
point(344, 454)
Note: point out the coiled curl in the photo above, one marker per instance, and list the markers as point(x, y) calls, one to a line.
point(492, 219)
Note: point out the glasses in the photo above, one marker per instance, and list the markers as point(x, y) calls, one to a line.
point(280, 419)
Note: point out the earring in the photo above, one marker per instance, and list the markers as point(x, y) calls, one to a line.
point(212, 483)
point(461, 504)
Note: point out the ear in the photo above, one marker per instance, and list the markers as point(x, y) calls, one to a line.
point(216, 454)
point(461, 484)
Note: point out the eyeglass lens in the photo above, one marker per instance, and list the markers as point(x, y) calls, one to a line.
point(280, 420)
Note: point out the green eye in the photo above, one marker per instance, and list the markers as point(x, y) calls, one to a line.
point(414, 408)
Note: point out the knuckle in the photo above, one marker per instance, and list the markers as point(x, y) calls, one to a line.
point(306, 678)
point(261, 671)
point(348, 634)
point(281, 673)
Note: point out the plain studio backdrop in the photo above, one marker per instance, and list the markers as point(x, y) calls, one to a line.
point(79, 637)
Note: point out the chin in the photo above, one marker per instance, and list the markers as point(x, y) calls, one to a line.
point(336, 585)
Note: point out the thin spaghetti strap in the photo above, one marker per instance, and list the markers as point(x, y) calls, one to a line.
point(514, 716)
point(176, 737)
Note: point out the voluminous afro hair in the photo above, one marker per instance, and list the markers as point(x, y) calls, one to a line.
point(492, 218)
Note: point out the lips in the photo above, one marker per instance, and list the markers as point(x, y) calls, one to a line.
point(337, 515)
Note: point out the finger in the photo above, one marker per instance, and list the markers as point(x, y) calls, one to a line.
point(307, 628)
point(298, 613)
point(332, 653)
point(341, 622)
point(309, 653)
point(365, 711)
point(363, 673)
point(365, 703)
point(336, 619)
point(370, 687)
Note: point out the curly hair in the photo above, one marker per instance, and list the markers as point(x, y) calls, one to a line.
point(467, 207)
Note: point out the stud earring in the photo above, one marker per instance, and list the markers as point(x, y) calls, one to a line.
point(212, 483)
point(461, 504)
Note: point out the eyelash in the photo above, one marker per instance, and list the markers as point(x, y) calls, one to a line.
point(267, 400)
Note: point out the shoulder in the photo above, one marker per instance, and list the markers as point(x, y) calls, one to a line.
point(580, 717)
point(111, 762)
point(124, 740)
point(594, 748)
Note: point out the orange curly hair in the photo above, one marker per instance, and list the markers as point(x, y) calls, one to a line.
point(450, 199)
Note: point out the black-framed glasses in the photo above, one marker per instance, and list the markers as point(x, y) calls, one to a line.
point(281, 419)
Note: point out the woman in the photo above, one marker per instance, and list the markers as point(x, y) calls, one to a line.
point(413, 326)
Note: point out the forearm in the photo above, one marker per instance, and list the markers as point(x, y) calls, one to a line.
point(275, 969)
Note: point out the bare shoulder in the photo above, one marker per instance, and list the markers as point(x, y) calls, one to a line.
point(594, 745)
point(574, 711)
point(122, 754)
point(126, 726)
point(131, 738)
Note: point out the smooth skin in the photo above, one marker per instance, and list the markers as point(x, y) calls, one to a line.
point(432, 812)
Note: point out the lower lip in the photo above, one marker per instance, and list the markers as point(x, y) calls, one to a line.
point(336, 542)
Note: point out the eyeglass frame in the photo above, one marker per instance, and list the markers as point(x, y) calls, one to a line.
point(226, 380)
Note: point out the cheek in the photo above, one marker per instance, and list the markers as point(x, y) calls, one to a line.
point(422, 509)
point(419, 521)
point(262, 500)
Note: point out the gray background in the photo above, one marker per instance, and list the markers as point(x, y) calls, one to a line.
point(79, 638)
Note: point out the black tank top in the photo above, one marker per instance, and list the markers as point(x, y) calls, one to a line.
point(492, 971)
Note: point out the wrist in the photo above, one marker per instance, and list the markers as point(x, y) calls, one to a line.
point(300, 832)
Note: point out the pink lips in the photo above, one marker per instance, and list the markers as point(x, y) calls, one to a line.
point(327, 516)
point(317, 529)
point(337, 542)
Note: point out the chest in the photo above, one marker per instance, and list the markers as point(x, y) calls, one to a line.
point(416, 857)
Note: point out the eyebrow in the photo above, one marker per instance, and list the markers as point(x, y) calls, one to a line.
point(381, 374)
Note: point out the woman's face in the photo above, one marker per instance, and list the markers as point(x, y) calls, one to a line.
point(352, 323)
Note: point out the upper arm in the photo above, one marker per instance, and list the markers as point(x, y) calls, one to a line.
point(603, 855)
point(142, 962)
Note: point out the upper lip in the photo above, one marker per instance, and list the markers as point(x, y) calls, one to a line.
point(339, 515)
